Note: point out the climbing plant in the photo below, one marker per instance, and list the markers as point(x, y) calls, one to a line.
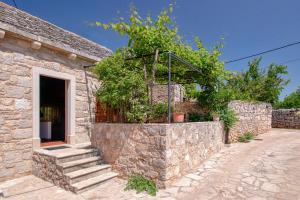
point(126, 82)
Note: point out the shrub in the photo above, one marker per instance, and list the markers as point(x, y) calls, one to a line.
point(140, 184)
point(158, 110)
point(246, 137)
point(196, 117)
point(242, 139)
point(228, 117)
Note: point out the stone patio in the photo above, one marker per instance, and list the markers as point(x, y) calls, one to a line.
point(266, 168)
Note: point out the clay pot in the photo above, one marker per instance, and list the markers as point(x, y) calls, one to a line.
point(216, 118)
point(178, 117)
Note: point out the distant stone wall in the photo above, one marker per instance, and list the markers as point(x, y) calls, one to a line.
point(286, 118)
point(159, 93)
point(161, 152)
point(253, 117)
point(17, 59)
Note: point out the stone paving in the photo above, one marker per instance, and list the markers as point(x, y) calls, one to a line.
point(266, 168)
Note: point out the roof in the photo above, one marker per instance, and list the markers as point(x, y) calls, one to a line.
point(21, 23)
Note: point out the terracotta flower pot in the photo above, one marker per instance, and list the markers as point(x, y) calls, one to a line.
point(178, 117)
point(216, 118)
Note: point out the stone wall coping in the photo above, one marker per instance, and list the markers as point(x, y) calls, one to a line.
point(285, 109)
point(250, 102)
point(158, 124)
point(43, 152)
point(66, 41)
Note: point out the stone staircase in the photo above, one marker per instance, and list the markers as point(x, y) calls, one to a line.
point(74, 169)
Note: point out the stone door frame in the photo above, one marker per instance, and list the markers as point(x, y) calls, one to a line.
point(70, 92)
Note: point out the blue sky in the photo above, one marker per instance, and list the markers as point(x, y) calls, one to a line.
point(249, 26)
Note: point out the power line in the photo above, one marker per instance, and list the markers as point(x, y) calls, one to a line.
point(264, 52)
point(15, 4)
point(290, 61)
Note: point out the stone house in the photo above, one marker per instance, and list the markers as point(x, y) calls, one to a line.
point(47, 99)
point(43, 86)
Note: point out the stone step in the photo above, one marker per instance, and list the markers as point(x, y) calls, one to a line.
point(84, 174)
point(80, 164)
point(93, 182)
point(76, 155)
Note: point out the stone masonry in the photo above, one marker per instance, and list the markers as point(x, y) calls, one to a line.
point(28, 42)
point(161, 152)
point(16, 62)
point(252, 117)
point(159, 93)
point(286, 118)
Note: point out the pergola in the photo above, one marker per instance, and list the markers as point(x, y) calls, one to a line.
point(171, 56)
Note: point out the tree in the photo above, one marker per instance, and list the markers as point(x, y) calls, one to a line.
point(290, 101)
point(257, 84)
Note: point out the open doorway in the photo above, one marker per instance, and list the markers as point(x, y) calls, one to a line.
point(52, 111)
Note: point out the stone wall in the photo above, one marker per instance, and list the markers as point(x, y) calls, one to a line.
point(161, 152)
point(189, 144)
point(45, 167)
point(159, 93)
point(286, 118)
point(17, 59)
point(252, 117)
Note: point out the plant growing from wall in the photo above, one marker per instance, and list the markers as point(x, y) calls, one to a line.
point(141, 184)
point(228, 117)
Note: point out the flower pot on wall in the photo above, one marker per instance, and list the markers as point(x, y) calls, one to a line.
point(178, 117)
point(216, 118)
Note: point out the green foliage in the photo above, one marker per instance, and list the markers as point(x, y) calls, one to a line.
point(158, 110)
point(291, 101)
point(122, 87)
point(125, 83)
point(196, 117)
point(257, 84)
point(141, 184)
point(228, 117)
point(246, 137)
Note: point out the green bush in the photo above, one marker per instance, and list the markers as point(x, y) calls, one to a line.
point(242, 139)
point(249, 136)
point(141, 184)
point(228, 117)
point(196, 117)
point(246, 137)
point(158, 110)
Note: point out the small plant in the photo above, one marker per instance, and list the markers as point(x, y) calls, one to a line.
point(141, 184)
point(158, 110)
point(246, 137)
point(249, 136)
point(228, 117)
point(196, 117)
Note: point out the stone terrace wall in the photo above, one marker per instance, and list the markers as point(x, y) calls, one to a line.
point(253, 117)
point(286, 118)
point(161, 152)
point(189, 144)
point(17, 59)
